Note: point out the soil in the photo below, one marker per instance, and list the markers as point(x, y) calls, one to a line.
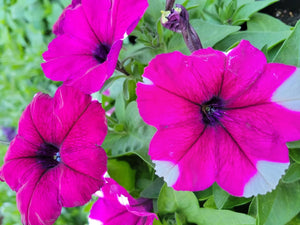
point(288, 11)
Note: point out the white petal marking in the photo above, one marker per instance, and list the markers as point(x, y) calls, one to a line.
point(266, 179)
point(168, 170)
point(123, 200)
point(288, 94)
point(95, 222)
point(147, 81)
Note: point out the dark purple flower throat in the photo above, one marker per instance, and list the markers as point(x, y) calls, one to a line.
point(48, 155)
point(101, 52)
point(212, 111)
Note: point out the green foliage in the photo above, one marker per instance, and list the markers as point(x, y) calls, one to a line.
point(25, 33)
point(184, 206)
point(279, 206)
point(289, 53)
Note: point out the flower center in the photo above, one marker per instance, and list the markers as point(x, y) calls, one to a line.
point(212, 111)
point(101, 52)
point(48, 155)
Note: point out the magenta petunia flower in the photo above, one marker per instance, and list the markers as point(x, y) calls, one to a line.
point(221, 118)
point(116, 206)
point(56, 159)
point(86, 52)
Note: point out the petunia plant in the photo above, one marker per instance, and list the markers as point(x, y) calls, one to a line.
point(140, 112)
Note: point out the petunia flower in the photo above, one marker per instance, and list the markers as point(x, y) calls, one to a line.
point(116, 206)
point(56, 159)
point(221, 118)
point(86, 53)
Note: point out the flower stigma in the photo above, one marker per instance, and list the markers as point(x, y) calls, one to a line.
point(101, 52)
point(212, 111)
point(48, 155)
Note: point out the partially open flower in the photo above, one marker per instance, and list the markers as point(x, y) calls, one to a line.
point(221, 118)
point(116, 206)
point(85, 54)
point(56, 159)
point(177, 20)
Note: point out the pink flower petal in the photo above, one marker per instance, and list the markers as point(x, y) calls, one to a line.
point(204, 71)
point(68, 106)
point(116, 206)
point(163, 115)
point(191, 150)
point(77, 26)
point(81, 148)
point(246, 150)
point(17, 144)
point(287, 94)
point(38, 200)
point(262, 90)
point(112, 19)
point(76, 188)
point(95, 76)
point(66, 46)
point(27, 128)
point(23, 170)
point(245, 64)
point(68, 67)
point(58, 27)
point(42, 104)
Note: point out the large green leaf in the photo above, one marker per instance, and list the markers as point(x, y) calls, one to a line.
point(223, 200)
point(186, 207)
point(279, 206)
point(210, 33)
point(121, 172)
point(245, 11)
point(293, 173)
point(257, 38)
point(264, 22)
point(135, 136)
point(289, 53)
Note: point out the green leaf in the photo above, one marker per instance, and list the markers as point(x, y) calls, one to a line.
point(245, 11)
point(176, 43)
point(257, 38)
point(264, 22)
point(289, 52)
point(220, 196)
point(279, 206)
point(186, 204)
point(295, 154)
point(120, 109)
point(210, 33)
point(121, 172)
point(293, 173)
point(223, 200)
point(134, 139)
point(204, 195)
point(110, 81)
point(129, 87)
point(152, 191)
point(293, 145)
point(295, 220)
